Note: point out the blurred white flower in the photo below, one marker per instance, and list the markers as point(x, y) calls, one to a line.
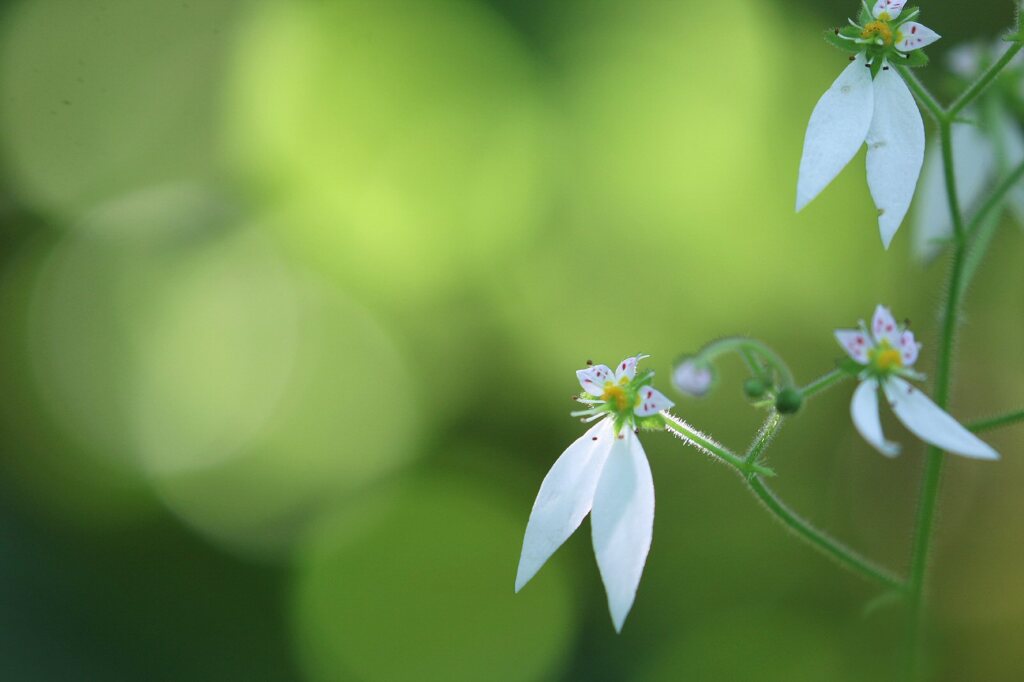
point(879, 110)
point(604, 473)
point(887, 353)
point(692, 378)
point(989, 143)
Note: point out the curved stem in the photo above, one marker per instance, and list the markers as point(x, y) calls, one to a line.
point(747, 348)
point(921, 92)
point(822, 541)
point(983, 82)
point(996, 422)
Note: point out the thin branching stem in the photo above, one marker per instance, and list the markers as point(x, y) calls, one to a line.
point(997, 422)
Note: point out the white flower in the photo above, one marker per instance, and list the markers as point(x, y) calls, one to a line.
point(880, 111)
point(887, 353)
point(991, 143)
point(691, 378)
point(604, 473)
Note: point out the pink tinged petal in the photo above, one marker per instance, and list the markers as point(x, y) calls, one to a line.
point(975, 164)
point(884, 327)
point(690, 378)
point(565, 497)
point(895, 151)
point(622, 523)
point(626, 368)
point(909, 348)
point(893, 7)
point(930, 423)
point(652, 401)
point(593, 379)
point(856, 344)
point(864, 412)
point(914, 36)
point(838, 126)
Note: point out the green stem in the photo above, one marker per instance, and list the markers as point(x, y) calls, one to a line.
point(923, 95)
point(748, 349)
point(983, 82)
point(822, 541)
point(946, 140)
point(996, 422)
point(995, 199)
point(687, 433)
point(823, 382)
point(764, 438)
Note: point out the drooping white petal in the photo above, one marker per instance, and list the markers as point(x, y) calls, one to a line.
point(892, 7)
point(884, 327)
point(622, 523)
point(593, 379)
point(693, 379)
point(1012, 140)
point(838, 126)
point(864, 412)
point(565, 497)
point(932, 424)
point(914, 36)
point(856, 344)
point(652, 401)
point(895, 151)
point(909, 348)
point(975, 161)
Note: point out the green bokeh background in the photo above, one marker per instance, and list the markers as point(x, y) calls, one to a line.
point(291, 296)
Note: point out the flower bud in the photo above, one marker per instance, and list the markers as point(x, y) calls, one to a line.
point(754, 388)
point(789, 401)
point(692, 378)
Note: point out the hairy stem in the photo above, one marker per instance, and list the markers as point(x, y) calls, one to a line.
point(823, 382)
point(688, 434)
point(996, 422)
point(925, 97)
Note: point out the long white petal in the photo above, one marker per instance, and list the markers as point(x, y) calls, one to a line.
point(864, 411)
point(838, 126)
point(622, 523)
point(895, 151)
point(975, 165)
point(565, 498)
point(930, 423)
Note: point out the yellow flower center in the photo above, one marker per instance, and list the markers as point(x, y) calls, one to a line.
point(879, 29)
point(886, 358)
point(616, 395)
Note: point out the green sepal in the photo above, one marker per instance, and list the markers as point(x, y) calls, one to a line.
point(909, 13)
point(914, 60)
point(835, 40)
point(864, 15)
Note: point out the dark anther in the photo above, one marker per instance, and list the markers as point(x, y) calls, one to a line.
point(836, 30)
point(594, 438)
point(589, 363)
point(885, 68)
point(852, 57)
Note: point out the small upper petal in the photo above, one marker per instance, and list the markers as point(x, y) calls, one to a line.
point(895, 151)
point(838, 126)
point(891, 7)
point(622, 523)
point(627, 368)
point(593, 379)
point(856, 344)
point(651, 401)
point(884, 327)
point(864, 412)
point(914, 36)
point(909, 348)
point(932, 424)
point(565, 498)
